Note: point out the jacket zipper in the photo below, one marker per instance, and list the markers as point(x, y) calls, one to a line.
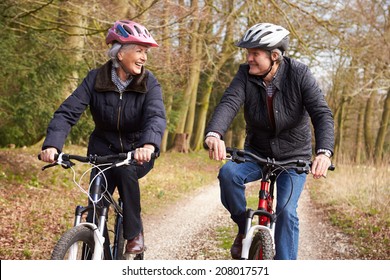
point(119, 117)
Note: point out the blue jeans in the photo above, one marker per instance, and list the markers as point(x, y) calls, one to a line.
point(232, 177)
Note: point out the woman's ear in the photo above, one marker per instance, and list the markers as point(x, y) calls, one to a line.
point(119, 56)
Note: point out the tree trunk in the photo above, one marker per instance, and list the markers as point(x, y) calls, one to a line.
point(368, 121)
point(340, 129)
point(181, 143)
point(168, 89)
point(229, 138)
point(183, 130)
point(74, 25)
point(380, 140)
point(359, 135)
point(227, 51)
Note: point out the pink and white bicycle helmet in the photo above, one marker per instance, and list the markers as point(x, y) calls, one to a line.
point(126, 32)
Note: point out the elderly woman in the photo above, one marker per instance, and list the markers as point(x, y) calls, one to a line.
point(126, 104)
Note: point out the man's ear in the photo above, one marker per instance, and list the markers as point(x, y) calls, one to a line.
point(275, 56)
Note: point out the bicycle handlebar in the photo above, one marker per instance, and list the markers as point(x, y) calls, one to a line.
point(116, 160)
point(299, 165)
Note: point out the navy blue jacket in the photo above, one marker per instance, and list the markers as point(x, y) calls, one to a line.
point(298, 99)
point(123, 122)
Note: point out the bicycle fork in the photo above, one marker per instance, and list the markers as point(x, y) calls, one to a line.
point(265, 215)
point(97, 233)
point(97, 227)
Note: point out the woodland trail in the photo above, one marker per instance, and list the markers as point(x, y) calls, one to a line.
point(187, 230)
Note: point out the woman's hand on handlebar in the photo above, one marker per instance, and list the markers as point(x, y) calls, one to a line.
point(144, 154)
point(217, 148)
point(48, 154)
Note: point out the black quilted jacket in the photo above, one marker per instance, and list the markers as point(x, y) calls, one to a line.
point(123, 122)
point(297, 101)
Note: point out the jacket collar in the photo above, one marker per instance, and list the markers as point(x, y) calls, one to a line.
point(104, 82)
point(278, 79)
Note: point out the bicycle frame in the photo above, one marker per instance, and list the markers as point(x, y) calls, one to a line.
point(259, 239)
point(99, 227)
point(94, 233)
point(265, 212)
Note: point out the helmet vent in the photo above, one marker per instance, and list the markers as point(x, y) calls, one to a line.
point(128, 29)
point(138, 30)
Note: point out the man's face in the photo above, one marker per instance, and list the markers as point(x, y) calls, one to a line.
point(259, 61)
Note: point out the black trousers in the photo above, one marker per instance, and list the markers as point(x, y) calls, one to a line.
point(125, 178)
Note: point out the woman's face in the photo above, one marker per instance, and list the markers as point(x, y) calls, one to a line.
point(133, 58)
point(259, 61)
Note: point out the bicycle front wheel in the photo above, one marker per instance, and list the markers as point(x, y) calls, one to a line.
point(120, 243)
point(75, 244)
point(262, 246)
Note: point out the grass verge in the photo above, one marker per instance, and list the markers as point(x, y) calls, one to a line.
point(37, 207)
point(356, 199)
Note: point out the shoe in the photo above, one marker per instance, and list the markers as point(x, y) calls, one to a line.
point(236, 249)
point(135, 245)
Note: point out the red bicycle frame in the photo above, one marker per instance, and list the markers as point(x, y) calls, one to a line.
point(266, 197)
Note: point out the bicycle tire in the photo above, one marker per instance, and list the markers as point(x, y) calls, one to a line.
point(121, 248)
point(80, 236)
point(261, 247)
point(121, 243)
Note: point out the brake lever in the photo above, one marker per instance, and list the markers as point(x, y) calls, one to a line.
point(64, 164)
point(67, 164)
point(48, 166)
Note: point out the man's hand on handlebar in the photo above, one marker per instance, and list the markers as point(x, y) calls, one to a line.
point(217, 148)
point(320, 165)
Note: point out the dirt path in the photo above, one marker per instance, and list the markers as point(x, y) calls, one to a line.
point(185, 224)
point(187, 230)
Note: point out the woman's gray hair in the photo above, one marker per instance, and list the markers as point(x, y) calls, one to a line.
point(114, 50)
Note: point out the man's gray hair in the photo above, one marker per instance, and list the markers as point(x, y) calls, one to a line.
point(280, 55)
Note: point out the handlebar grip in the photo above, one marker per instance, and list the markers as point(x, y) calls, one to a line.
point(152, 156)
point(332, 167)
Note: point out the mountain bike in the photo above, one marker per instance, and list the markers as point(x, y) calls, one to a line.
point(90, 237)
point(259, 243)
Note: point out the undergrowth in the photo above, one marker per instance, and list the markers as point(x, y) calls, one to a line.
point(36, 207)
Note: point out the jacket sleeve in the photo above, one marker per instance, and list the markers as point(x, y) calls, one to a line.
point(319, 111)
point(154, 119)
point(68, 114)
point(231, 102)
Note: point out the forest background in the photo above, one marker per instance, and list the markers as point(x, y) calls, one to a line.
point(48, 46)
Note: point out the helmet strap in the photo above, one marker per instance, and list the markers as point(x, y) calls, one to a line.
point(269, 70)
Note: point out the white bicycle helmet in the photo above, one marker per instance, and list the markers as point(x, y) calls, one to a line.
point(266, 36)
